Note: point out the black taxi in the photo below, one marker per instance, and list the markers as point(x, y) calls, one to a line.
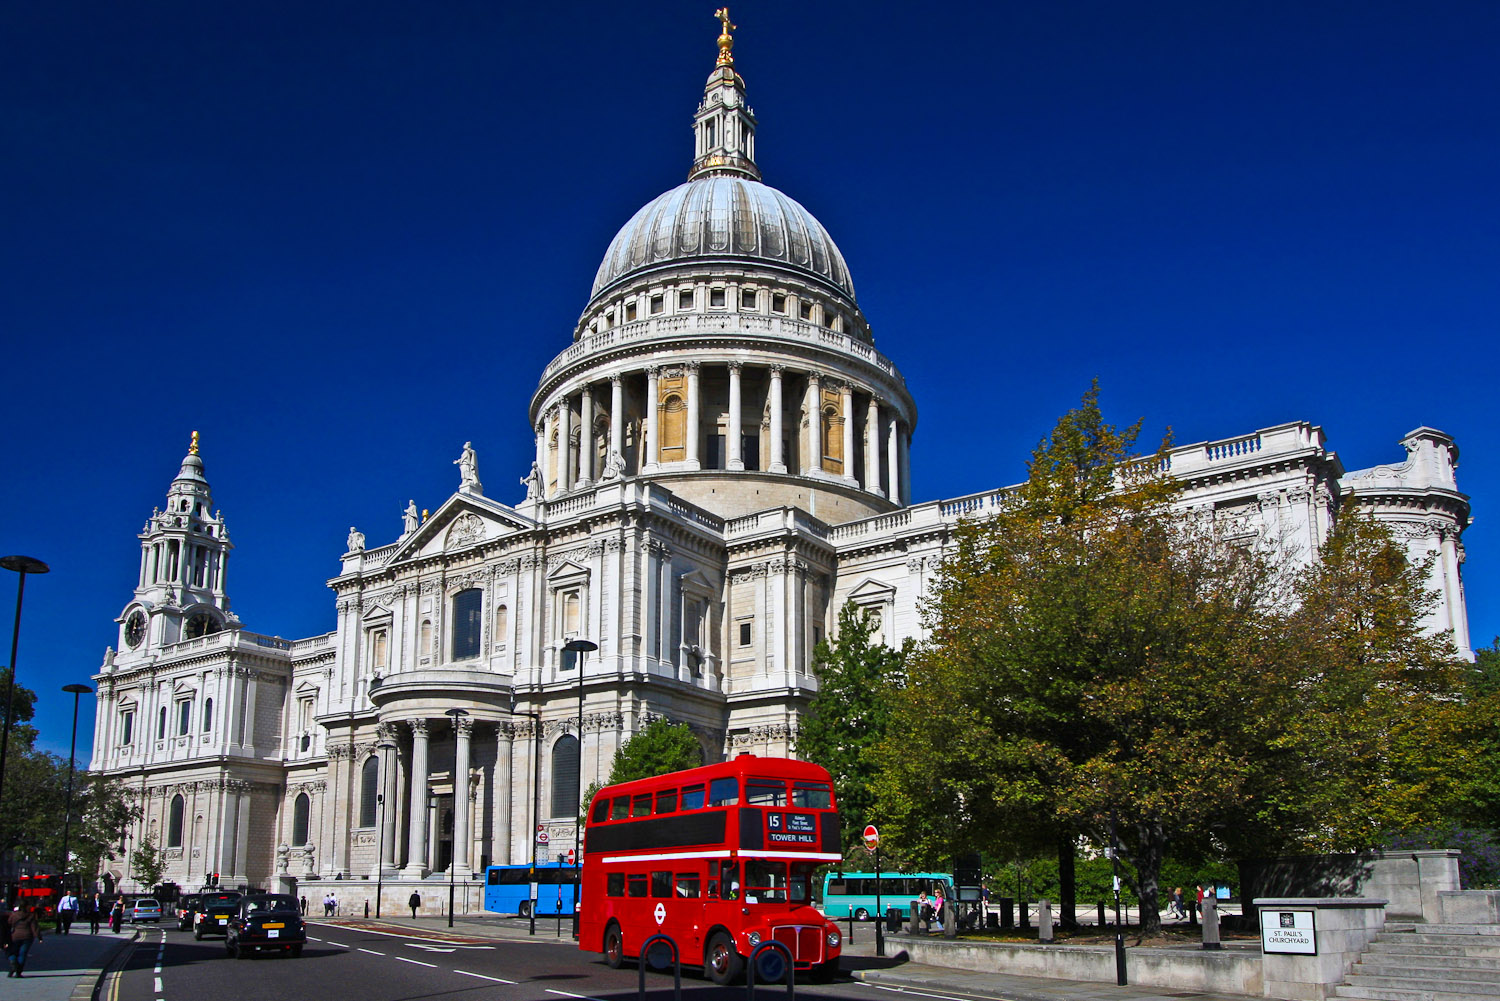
point(213, 912)
point(269, 922)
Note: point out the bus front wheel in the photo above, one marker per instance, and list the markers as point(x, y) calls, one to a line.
point(723, 963)
point(614, 947)
point(861, 915)
point(525, 910)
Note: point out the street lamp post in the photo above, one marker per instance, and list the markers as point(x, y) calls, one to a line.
point(455, 715)
point(536, 793)
point(75, 690)
point(22, 565)
point(581, 648)
point(385, 747)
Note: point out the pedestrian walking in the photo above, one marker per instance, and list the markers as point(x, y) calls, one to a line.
point(327, 905)
point(304, 907)
point(1177, 904)
point(414, 901)
point(333, 905)
point(90, 909)
point(67, 911)
point(117, 915)
point(25, 932)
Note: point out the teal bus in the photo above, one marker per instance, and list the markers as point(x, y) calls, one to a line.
point(852, 894)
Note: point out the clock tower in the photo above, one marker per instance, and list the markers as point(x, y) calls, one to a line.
point(184, 561)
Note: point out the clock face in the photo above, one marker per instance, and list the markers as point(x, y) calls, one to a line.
point(200, 624)
point(135, 629)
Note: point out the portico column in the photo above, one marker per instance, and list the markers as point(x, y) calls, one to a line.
point(814, 423)
point(892, 459)
point(872, 448)
point(778, 461)
point(846, 410)
point(388, 809)
point(463, 729)
point(564, 445)
point(616, 424)
point(586, 439)
point(693, 406)
point(903, 446)
point(653, 403)
point(416, 845)
point(736, 460)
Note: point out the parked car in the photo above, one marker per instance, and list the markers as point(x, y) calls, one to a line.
point(266, 922)
point(187, 904)
point(211, 917)
point(144, 909)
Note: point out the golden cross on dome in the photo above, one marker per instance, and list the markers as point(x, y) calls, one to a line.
point(193, 448)
point(726, 41)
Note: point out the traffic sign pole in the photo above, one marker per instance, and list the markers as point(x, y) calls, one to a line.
point(872, 845)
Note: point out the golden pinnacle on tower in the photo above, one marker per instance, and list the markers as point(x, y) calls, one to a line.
point(193, 448)
point(726, 41)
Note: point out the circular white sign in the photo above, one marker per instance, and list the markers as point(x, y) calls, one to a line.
point(661, 913)
point(542, 838)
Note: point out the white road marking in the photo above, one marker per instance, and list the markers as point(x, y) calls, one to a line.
point(311, 939)
point(339, 944)
point(372, 952)
point(415, 962)
point(567, 994)
point(481, 976)
point(429, 948)
point(158, 985)
point(920, 994)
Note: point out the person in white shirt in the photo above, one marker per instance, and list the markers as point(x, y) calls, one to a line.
point(67, 910)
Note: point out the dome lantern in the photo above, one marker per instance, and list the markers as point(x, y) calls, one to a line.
point(724, 125)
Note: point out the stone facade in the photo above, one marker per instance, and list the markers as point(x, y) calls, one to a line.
point(722, 461)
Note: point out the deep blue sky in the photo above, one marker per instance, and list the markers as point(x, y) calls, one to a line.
point(341, 238)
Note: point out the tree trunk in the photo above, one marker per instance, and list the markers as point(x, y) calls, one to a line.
point(1067, 879)
point(1153, 848)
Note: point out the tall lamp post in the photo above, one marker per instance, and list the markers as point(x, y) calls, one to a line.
point(75, 690)
point(536, 794)
point(455, 715)
point(385, 747)
point(22, 565)
point(581, 648)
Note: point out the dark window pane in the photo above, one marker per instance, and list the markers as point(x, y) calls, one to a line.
point(661, 884)
point(812, 797)
point(750, 450)
point(687, 885)
point(301, 808)
point(565, 777)
point(666, 802)
point(600, 810)
point(692, 798)
point(723, 792)
point(641, 806)
point(369, 780)
point(762, 793)
point(614, 884)
point(621, 808)
point(637, 883)
point(466, 623)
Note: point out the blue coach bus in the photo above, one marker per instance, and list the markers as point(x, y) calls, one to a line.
point(507, 889)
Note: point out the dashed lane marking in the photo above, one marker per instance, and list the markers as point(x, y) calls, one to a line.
point(372, 952)
point(158, 985)
point(339, 944)
point(481, 976)
point(569, 994)
point(922, 994)
point(311, 939)
point(416, 962)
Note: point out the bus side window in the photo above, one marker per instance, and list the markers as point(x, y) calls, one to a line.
point(713, 889)
point(641, 807)
point(692, 798)
point(600, 811)
point(637, 884)
point(614, 884)
point(619, 808)
point(666, 802)
point(724, 792)
point(837, 886)
point(687, 885)
point(493, 877)
point(661, 884)
point(762, 792)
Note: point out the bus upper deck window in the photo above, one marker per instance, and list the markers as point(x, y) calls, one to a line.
point(666, 802)
point(724, 792)
point(619, 808)
point(692, 798)
point(641, 806)
point(812, 796)
point(761, 792)
point(600, 811)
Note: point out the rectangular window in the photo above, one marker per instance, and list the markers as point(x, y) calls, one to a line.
point(184, 717)
point(715, 458)
point(778, 303)
point(812, 796)
point(716, 297)
point(687, 885)
point(685, 299)
point(748, 298)
point(661, 884)
point(724, 792)
point(641, 806)
point(666, 802)
point(750, 450)
point(830, 320)
point(817, 635)
point(629, 311)
point(804, 310)
point(744, 634)
point(620, 808)
point(466, 624)
point(614, 884)
point(692, 798)
point(636, 884)
point(658, 304)
point(600, 811)
point(760, 792)
point(127, 727)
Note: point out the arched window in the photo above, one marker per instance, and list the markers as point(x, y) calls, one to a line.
point(424, 645)
point(301, 808)
point(174, 822)
point(208, 714)
point(674, 429)
point(502, 625)
point(379, 641)
point(466, 624)
point(161, 724)
point(833, 440)
point(565, 776)
point(369, 789)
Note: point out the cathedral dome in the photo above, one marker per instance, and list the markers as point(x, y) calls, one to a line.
point(723, 217)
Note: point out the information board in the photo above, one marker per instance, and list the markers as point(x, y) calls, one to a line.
point(1288, 931)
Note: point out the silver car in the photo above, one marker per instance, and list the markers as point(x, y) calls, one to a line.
point(144, 909)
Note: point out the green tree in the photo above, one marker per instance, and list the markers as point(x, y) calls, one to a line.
point(35, 785)
point(848, 715)
point(102, 813)
point(662, 747)
point(147, 863)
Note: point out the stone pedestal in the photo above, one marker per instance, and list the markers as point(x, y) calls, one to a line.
point(1343, 927)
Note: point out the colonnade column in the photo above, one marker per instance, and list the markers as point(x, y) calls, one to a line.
point(778, 461)
point(693, 406)
point(846, 409)
point(814, 424)
point(564, 445)
point(903, 447)
point(653, 403)
point(892, 459)
point(872, 448)
point(416, 843)
point(463, 730)
point(586, 439)
point(554, 472)
point(616, 459)
point(388, 790)
point(735, 460)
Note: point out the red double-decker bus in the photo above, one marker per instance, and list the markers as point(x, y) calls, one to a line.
point(42, 891)
point(721, 858)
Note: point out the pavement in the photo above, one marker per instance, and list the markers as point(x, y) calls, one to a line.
point(70, 967)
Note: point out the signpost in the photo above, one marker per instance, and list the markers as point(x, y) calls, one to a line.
point(1288, 931)
point(872, 845)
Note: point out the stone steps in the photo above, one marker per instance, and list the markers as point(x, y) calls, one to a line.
point(1416, 989)
point(1455, 949)
point(1428, 963)
point(1425, 966)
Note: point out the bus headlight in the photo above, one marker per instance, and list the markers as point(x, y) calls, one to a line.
point(833, 938)
point(753, 938)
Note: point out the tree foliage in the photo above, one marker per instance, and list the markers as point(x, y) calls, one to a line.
point(662, 747)
point(848, 715)
point(147, 864)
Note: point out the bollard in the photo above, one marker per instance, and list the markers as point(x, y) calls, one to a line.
point(651, 955)
point(949, 917)
point(851, 928)
point(791, 972)
point(1024, 913)
point(1211, 923)
point(1192, 911)
point(1007, 913)
point(1102, 919)
point(1044, 921)
point(914, 914)
point(992, 921)
point(367, 908)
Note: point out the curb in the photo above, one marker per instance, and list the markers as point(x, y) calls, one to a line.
point(89, 984)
